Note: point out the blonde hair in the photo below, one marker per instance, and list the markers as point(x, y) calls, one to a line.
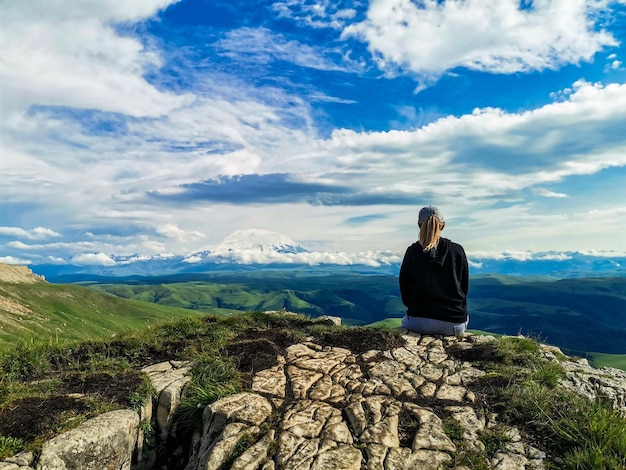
point(430, 231)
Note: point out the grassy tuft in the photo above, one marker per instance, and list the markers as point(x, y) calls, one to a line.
point(466, 458)
point(9, 446)
point(494, 439)
point(213, 378)
point(453, 429)
point(518, 351)
point(578, 433)
point(547, 373)
point(243, 444)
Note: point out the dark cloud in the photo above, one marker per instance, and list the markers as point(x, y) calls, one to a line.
point(280, 188)
point(363, 219)
point(270, 188)
point(532, 153)
point(369, 199)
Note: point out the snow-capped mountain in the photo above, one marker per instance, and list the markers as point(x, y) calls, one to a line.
point(259, 249)
point(258, 240)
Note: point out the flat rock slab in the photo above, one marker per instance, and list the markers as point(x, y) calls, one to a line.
point(105, 442)
point(329, 408)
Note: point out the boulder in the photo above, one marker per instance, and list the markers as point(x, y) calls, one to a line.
point(105, 442)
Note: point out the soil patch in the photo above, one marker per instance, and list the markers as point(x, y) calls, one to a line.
point(285, 321)
point(360, 340)
point(408, 425)
point(147, 355)
point(485, 352)
point(116, 388)
point(281, 337)
point(253, 356)
point(29, 418)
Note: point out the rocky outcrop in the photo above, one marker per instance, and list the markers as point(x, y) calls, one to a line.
point(323, 407)
point(168, 379)
point(18, 274)
point(116, 440)
point(328, 408)
point(591, 382)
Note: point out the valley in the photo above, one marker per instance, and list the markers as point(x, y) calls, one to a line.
point(584, 316)
point(579, 315)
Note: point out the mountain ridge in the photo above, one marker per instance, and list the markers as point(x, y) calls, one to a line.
point(255, 249)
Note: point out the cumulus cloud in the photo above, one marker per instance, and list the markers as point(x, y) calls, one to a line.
point(314, 258)
point(498, 36)
point(554, 257)
point(501, 255)
point(70, 54)
point(38, 233)
point(170, 230)
point(491, 153)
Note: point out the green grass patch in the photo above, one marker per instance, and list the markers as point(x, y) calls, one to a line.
point(617, 361)
point(387, 323)
point(494, 439)
point(521, 388)
point(9, 446)
point(62, 313)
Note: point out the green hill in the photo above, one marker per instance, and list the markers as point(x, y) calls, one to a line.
point(358, 299)
point(579, 315)
point(69, 312)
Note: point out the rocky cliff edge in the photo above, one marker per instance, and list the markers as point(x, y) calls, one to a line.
point(358, 400)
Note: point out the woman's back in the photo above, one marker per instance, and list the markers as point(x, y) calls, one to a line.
point(434, 279)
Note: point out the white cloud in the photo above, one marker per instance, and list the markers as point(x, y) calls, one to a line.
point(554, 257)
point(68, 53)
point(472, 160)
point(475, 265)
point(14, 260)
point(260, 45)
point(499, 256)
point(490, 152)
point(431, 37)
point(93, 259)
point(545, 193)
point(612, 212)
point(170, 230)
point(318, 14)
point(38, 233)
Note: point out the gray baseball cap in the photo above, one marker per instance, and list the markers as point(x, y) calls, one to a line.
point(426, 212)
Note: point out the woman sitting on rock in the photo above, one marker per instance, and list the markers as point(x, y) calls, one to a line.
point(434, 280)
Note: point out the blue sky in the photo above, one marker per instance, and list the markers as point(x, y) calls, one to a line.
point(164, 126)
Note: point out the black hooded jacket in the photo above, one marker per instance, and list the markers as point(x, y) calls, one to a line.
point(434, 284)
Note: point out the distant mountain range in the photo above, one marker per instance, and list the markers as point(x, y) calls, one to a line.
point(248, 250)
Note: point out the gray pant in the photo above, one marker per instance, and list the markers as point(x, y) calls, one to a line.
point(430, 326)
